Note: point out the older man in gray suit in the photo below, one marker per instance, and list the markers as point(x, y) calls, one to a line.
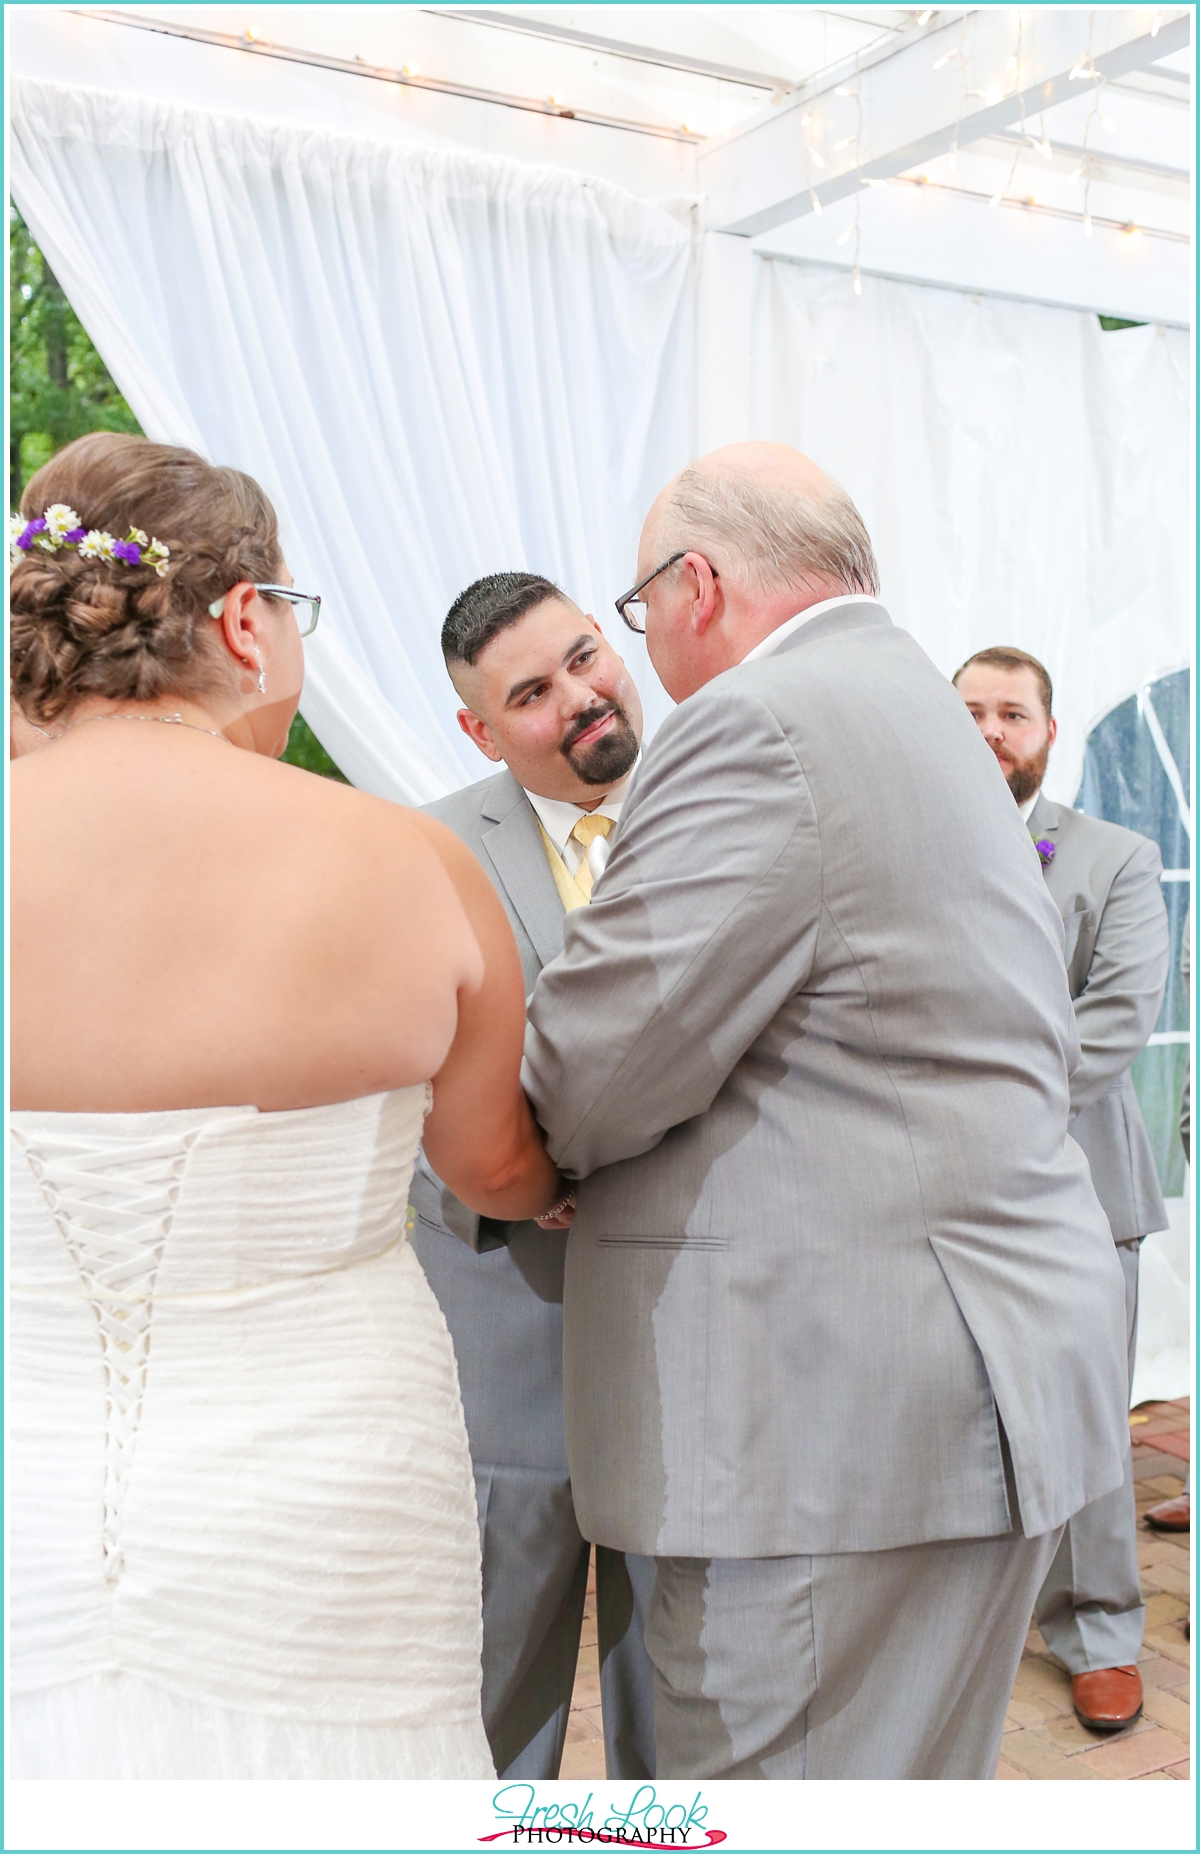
point(1107, 885)
point(548, 700)
point(843, 1321)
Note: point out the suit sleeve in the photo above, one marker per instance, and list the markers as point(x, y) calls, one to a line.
point(1118, 1007)
point(704, 922)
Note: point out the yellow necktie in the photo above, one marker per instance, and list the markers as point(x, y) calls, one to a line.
point(586, 831)
point(575, 891)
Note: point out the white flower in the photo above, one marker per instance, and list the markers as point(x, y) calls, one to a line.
point(16, 528)
point(157, 555)
point(96, 545)
point(138, 535)
point(60, 520)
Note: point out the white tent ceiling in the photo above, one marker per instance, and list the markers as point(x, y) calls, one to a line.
point(699, 101)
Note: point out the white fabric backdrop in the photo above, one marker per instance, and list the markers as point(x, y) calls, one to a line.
point(437, 365)
point(1024, 475)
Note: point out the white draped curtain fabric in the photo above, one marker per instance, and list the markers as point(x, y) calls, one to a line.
point(437, 365)
point(1025, 475)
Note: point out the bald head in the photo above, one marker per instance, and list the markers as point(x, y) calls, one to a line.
point(771, 519)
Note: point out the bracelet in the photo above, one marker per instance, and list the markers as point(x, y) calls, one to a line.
point(556, 1210)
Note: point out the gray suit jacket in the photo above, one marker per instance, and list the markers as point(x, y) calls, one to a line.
point(808, 1049)
point(1106, 884)
point(503, 1304)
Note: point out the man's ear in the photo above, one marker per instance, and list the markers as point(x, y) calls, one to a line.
point(480, 733)
point(1053, 732)
point(707, 602)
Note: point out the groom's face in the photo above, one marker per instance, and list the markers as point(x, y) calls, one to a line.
point(554, 701)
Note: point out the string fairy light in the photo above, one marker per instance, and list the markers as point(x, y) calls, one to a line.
point(1086, 68)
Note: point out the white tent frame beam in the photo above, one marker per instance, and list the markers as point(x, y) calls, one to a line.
point(762, 176)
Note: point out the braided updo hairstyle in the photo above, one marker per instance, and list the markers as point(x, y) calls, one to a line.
point(95, 628)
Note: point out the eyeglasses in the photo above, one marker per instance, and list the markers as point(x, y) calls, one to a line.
point(306, 605)
point(636, 619)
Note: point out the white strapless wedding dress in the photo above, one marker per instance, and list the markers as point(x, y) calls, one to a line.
point(243, 1534)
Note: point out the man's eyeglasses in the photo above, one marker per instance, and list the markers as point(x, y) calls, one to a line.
point(632, 607)
point(306, 605)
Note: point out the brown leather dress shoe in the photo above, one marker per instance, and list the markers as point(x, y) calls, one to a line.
point(1107, 1699)
point(1171, 1515)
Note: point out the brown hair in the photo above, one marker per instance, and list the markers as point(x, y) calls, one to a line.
point(1007, 656)
point(89, 627)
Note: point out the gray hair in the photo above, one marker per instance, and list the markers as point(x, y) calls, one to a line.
point(777, 538)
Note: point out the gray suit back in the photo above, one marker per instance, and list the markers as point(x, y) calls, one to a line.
point(1107, 885)
point(809, 1050)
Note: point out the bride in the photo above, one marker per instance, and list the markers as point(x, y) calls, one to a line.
point(243, 1531)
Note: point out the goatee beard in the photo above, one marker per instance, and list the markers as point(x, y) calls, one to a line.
point(1025, 776)
point(608, 759)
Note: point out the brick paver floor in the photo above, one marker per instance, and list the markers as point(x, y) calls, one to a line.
point(1043, 1738)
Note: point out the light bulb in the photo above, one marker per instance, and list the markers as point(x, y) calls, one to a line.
point(994, 93)
point(410, 70)
point(804, 121)
point(953, 163)
point(926, 16)
point(944, 59)
point(250, 35)
point(1107, 121)
point(1011, 65)
point(1156, 25)
point(844, 143)
point(841, 91)
point(1078, 172)
point(819, 159)
point(845, 237)
point(857, 284)
point(817, 206)
point(1087, 223)
point(995, 199)
point(1044, 148)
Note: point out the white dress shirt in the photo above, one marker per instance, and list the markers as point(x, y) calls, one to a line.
point(1027, 808)
point(559, 819)
point(793, 624)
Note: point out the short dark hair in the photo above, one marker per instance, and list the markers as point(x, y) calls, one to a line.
point(1007, 656)
point(488, 607)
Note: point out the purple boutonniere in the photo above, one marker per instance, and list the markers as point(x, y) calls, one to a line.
point(1045, 850)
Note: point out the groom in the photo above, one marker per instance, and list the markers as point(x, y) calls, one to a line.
point(844, 1327)
point(546, 699)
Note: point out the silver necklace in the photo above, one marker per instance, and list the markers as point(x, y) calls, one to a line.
point(175, 720)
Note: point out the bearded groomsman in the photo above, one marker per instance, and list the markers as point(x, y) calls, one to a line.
point(547, 699)
point(1106, 883)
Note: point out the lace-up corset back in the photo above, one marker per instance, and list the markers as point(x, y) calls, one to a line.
point(221, 1340)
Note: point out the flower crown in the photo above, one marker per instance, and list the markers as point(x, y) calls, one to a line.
point(61, 527)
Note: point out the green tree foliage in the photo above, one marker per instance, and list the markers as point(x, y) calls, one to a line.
point(304, 749)
point(59, 388)
point(58, 385)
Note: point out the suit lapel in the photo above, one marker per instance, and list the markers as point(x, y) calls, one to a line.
point(513, 845)
point(1043, 819)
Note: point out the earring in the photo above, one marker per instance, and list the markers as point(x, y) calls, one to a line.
point(262, 674)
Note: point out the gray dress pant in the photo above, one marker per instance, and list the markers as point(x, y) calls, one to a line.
point(887, 1664)
point(503, 1307)
point(1090, 1609)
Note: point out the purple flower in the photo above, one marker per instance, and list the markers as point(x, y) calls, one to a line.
point(1045, 850)
point(32, 528)
point(75, 535)
point(129, 551)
